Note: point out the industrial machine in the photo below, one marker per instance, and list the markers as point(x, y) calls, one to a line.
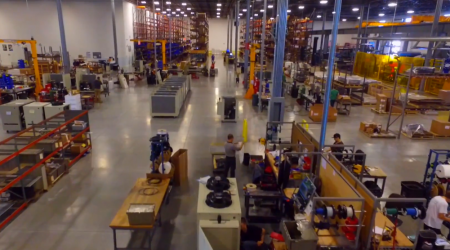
point(169, 98)
point(12, 115)
point(218, 214)
point(34, 113)
point(52, 110)
point(227, 108)
point(160, 152)
point(57, 78)
point(276, 109)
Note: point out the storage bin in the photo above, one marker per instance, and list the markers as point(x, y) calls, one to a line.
point(412, 189)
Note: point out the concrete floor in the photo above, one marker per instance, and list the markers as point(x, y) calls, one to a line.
point(76, 212)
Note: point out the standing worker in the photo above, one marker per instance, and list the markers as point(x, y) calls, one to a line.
point(437, 213)
point(340, 150)
point(98, 90)
point(333, 96)
point(230, 156)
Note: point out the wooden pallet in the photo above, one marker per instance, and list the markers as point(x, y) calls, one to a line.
point(382, 135)
point(369, 104)
point(426, 136)
point(379, 112)
point(440, 136)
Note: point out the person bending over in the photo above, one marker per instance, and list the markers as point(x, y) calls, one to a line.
point(252, 237)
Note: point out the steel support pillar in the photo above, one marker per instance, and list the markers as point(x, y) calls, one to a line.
point(113, 9)
point(324, 19)
point(326, 104)
point(405, 46)
point(228, 32)
point(62, 33)
point(155, 37)
point(361, 14)
point(278, 61)
point(262, 55)
point(236, 36)
point(231, 32)
point(434, 30)
point(325, 44)
point(247, 45)
point(170, 39)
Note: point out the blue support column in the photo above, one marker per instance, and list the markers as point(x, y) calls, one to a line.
point(278, 62)
point(113, 9)
point(246, 51)
point(326, 104)
point(263, 38)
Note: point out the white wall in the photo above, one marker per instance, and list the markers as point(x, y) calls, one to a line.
point(88, 25)
point(341, 39)
point(218, 35)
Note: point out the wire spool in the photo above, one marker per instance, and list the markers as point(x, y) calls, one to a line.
point(327, 212)
point(250, 187)
point(349, 154)
point(342, 212)
point(350, 212)
point(416, 213)
point(344, 154)
point(390, 211)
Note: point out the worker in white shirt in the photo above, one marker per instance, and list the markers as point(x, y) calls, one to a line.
point(437, 213)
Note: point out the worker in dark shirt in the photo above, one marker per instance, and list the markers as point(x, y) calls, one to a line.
point(340, 150)
point(284, 171)
point(252, 237)
point(98, 90)
point(230, 155)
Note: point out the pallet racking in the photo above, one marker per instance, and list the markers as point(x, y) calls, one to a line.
point(199, 37)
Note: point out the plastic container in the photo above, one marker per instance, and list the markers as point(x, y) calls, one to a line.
point(426, 236)
point(374, 188)
point(412, 189)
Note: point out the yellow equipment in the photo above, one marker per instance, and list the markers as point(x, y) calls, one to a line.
point(252, 91)
point(37, 76)
point(163, 48)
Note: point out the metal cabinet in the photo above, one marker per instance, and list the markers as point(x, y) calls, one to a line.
point(12, 115)
point(34, 113)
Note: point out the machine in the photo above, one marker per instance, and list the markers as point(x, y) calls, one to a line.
point(58, 78)
point(34, 113)
point(52, 110)
point(227, 108)
point(160, 148)
point(218, 214)
point(12, 115)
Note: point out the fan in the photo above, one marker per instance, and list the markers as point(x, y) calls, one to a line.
point(218, 183)
point(219, 199)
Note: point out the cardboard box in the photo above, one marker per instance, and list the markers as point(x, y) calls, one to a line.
point(65, 138)
point(81, 138)
point(440, 127)
point(381, 103)
point(180, 163)
point(316, 113)
point(445, 96)
point(77, 148)
point(369, 127)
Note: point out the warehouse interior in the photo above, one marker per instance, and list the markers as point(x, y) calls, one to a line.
point(116, 117)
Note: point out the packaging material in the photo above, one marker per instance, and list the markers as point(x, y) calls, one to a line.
point(141, 214)
point(370, 127)
point(74, 101)
point(445, 96)
point(441, 128)
point(81, 138)
point(381, 103)
point(316, 113)
point(180, 162)
point(77, 148)
point(65, 138)
point(350, 79)
point(412, 129)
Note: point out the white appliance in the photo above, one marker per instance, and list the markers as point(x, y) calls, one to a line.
point(227, 108)
point(34, 113)
point(213, 235)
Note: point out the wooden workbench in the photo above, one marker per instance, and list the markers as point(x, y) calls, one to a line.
point(402, 241)
point(120, 221)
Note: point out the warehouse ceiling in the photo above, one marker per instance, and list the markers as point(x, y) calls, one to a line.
point(305, 8)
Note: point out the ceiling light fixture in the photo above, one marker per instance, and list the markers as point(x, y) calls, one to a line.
point(447, 15)
point(271, 18)
point(178, 9)
point(251, 17)
point(244, 10)
point(408, 20)
point(319, 16)
point(240, 14)
point(164, 12)
point(355, 9)
point(168, 14)
point(218, 13)
point(144, 2)
point(188, 8)
point(344, 20)
point(185, 15)
point(288, 11)
point(410, 11)
point(182, 12)
point(158, 9)
point(184, 4)
point(174, 12)
point(301, 7)
point(270, 6)
point(359, 18)
point(392, 4)
point(256, 14)
point(178, 15)
point(334, 12)
point(261, 11)
point(168, 3)
point(168, 9)
point(219, 4)
point(218, 9)
point(381, 14)
point(382, 21)
point(156, 3)
point(192, 13)
point(323, 2)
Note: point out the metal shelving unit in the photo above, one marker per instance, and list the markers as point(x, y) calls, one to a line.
point(25, 154)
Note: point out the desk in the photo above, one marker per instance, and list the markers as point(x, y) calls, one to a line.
point(16, 91)
point(402, 240)
point(120, 221)
point(343, 106)
point(375, 174)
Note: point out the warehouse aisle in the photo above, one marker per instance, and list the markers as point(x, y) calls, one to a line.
point(76, 212)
